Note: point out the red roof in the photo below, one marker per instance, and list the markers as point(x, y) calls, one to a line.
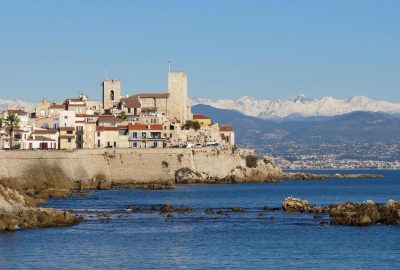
point(47, 131)
point(131, 102)
point(109, 119)
point(145, 127)
point(101, 128)
point(200, 116)
point(41, 138)
point(16, 111)
point(67, 128)
point(225, 128)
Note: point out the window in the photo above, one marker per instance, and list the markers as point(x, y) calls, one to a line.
point(69, 139)
point(144, 135)
point(134, 135)
point(115, 144)
point(98, 143)
point(129, 110)
point(112, 95)
point(65, 116)
point(69, 132)
point(98, 134)
point(42, 112)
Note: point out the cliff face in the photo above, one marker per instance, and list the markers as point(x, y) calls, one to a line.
point(16, 212)
point(100, 168)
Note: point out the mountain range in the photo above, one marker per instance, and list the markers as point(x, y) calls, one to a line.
point(299, 106)
point(6, 104)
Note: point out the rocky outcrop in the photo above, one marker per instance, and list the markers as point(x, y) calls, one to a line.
point(350, 213)
point(17, 211)
point(251, 169)
point(312, 176)
point(366, 213)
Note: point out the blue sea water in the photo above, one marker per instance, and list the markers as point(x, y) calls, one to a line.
point(202, 241)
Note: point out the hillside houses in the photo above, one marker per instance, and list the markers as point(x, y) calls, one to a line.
point(144, 120)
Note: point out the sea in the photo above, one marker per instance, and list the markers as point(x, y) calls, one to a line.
point(112, 237)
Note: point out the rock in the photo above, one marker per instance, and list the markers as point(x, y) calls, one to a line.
point(273, 209)
point(184, 209)
point(237, 209)
point(209, 211)
point(291, 204)
point(166, 208)
point(133, 208)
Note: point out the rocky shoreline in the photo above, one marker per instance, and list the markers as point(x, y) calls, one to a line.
point(349, 213)
point(19, 211)
point(313, 176)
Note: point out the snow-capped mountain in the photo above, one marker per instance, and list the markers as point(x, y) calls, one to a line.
point(300, 106)
point(16, 104)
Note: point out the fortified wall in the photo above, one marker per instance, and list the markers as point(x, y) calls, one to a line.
point(140, 165)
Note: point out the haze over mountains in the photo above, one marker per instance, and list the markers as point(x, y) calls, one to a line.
point(299, 106)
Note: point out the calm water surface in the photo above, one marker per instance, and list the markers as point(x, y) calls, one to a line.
point(200, 241)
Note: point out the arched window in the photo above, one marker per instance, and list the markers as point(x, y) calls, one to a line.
point(112, 94)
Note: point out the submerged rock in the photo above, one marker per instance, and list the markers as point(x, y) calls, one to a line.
point(166, 208)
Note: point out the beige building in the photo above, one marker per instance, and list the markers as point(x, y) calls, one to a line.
point(111, 93)
point(107, 136)
point(179, 107)
point(203, 120)
point(67, 138)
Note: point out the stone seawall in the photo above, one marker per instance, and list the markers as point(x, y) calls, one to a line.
point(141, 165)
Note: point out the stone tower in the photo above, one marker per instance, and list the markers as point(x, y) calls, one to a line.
point(111, 93)
point(178, 102)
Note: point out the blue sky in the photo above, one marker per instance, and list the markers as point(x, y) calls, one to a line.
point(265, 49)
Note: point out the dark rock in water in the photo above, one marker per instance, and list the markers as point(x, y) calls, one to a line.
point(209, 211)
point(273, 209)
point(324, 222)
point(170, 216)
point(220, 212)
point(166, 208)
point(133, 207)
point(184, 209)
point(317, 216)
point(237, 209)
point(260, 214)
point(366, 213)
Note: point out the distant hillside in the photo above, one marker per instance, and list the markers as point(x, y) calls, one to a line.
point(358, 135)
point(300, 106)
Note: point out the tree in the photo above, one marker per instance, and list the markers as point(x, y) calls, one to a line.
point(123, 115)
point(1, 122)
point(191, 124)
point(11, 123)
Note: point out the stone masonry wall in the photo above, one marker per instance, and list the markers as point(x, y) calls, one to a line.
point(126, 165)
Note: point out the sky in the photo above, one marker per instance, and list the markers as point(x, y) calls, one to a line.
point(266, 49)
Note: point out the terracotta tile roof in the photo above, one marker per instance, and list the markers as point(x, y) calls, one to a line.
point(48, 131)
point(109, 119)
point(67, 137)
point(200, 116)
point(145, 127)
point(80, 122)
point(67, 128)
point(153, 95)
point(131, 102)
point(16, 111)
point(225, 128)
point(149, 109)
point(41, 138)
point(101, 128)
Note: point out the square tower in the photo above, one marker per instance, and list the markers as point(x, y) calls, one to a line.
point(178, 102)
point(111, 93)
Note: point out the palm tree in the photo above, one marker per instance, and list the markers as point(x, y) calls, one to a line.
point(11, 123)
